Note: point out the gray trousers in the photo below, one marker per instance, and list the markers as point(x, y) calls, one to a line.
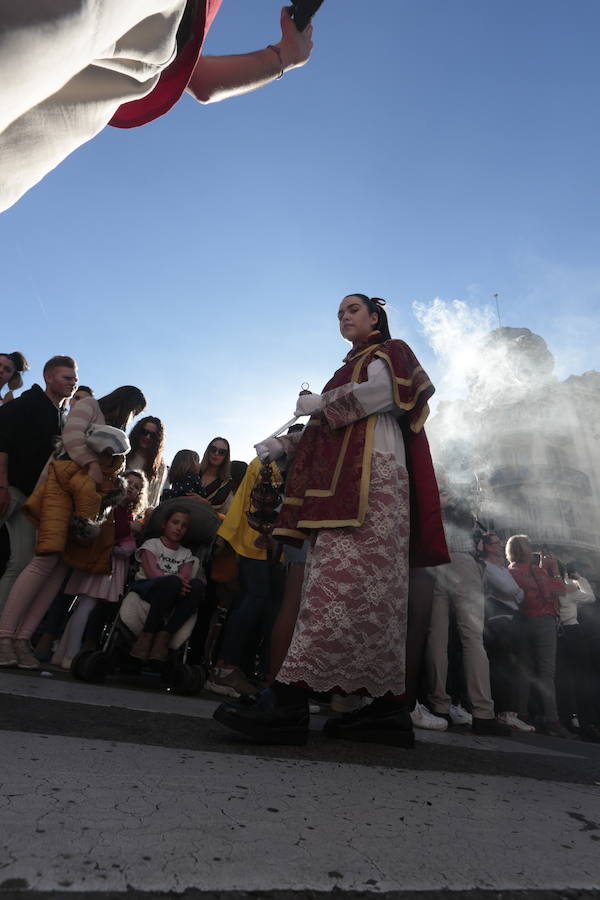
point(459, 585)
point(21, 534)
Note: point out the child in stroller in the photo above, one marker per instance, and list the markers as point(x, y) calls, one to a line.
point(121, 630)
point(165, 582)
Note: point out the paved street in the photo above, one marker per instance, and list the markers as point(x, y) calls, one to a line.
point(116, 791)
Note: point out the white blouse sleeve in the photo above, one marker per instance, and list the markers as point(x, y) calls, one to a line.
point(354, 401)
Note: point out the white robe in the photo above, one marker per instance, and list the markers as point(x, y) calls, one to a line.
point(65, 68)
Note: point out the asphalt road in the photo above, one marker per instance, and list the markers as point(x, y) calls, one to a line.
point(125, 790)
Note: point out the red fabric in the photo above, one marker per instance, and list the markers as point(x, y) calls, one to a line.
point(174, 80)
point(427, 538)
point(123, 519)
point(540, 590)
point(319, 450)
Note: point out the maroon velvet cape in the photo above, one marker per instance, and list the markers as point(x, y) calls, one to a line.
point(174, 80)
point(328, 483)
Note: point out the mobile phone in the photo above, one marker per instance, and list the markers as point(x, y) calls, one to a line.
point(303, 11)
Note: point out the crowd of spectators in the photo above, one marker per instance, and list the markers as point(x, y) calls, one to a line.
point(503, 634)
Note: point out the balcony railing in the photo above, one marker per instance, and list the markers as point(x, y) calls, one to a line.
point(563, 476)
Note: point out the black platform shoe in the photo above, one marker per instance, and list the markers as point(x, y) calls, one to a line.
point(265, 719)
point(379, 723)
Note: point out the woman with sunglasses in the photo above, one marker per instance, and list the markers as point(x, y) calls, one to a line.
point(209, 478)
point(215, 474)
point(147, 439)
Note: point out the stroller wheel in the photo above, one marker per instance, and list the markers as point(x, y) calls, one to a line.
point(186, 679)
point(93, 667)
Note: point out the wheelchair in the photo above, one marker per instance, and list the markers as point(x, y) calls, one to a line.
point(113, 655)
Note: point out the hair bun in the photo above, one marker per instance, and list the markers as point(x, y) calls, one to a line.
point(378, 301)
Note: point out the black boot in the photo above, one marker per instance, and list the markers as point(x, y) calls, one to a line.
point(382, 722)
point(278, 715)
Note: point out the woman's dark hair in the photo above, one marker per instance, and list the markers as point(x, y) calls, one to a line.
point(184, 463)
point(374, 307)
point(155, 454)
point(238, 470)
point(122, 403)
point(84, 387)
point(225, 467)
point(19, 364)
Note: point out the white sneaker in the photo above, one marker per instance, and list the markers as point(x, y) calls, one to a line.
point(513, 721)
point(422, 718)
point(459, 715)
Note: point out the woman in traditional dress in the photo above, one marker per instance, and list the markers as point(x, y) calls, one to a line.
point(362, 487)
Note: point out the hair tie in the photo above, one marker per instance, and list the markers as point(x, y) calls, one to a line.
point(378, 301)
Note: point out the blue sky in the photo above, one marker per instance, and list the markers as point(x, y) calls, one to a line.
point(437, 148)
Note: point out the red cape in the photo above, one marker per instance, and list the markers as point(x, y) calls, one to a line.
point(199, 16)
point(328, 483)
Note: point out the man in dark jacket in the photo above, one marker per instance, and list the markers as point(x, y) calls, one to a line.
point(28, 426)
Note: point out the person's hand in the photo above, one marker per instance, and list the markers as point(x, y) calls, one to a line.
point(295, 46)
point(218, 546)
point(549, 563)
point(125, 548)
point(198, 497)
point(4, 500)
point(308, 404)
point(269, 450)
point(95, 473)
point(185, 587)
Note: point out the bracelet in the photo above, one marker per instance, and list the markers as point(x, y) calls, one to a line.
point(277, 51)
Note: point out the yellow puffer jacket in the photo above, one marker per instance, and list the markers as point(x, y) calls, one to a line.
point(69, 490)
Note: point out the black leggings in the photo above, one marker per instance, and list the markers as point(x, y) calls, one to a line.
point(168, 610)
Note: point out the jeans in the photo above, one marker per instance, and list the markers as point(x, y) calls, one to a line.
point(251, 619)
point(574, 691)
point(540, 659)
point(505, 643)
point(168, 609)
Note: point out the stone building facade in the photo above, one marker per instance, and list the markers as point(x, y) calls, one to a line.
point(526, 447)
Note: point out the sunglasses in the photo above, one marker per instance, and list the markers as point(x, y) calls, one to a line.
point(145, 433)
point(218, 450)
